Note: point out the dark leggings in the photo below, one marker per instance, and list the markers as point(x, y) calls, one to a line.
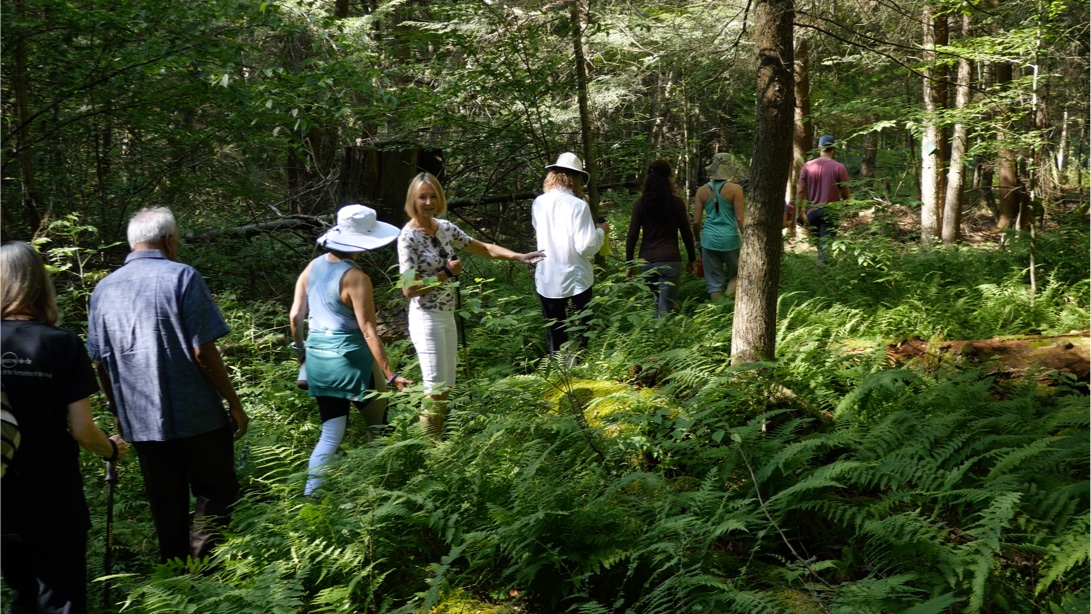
point(557, 311)
point(335, 407)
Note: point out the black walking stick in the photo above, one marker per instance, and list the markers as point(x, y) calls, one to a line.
point(460, 326)
point(108, 563)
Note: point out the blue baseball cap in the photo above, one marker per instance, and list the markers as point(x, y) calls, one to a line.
point(825, 142)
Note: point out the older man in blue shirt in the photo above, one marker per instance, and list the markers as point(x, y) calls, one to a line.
point(153, 326)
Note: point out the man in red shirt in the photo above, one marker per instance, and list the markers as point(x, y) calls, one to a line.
point(822, 181)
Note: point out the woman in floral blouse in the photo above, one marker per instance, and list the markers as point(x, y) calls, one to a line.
point(427, 255)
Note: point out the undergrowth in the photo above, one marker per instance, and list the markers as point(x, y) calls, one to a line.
point(825, 481)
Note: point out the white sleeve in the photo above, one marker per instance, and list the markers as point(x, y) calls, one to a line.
point(586, 237)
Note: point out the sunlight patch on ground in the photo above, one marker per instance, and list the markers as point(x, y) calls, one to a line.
point(605, 403)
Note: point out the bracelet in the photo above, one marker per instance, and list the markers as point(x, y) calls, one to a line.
point(446, 270)
point(113, 444)
point(298, 348)
point(390, 382)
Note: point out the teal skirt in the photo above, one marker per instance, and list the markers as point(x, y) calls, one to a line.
point(338, 364)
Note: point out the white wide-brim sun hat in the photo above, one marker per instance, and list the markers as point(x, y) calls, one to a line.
point(358, 229)
point(569, 161)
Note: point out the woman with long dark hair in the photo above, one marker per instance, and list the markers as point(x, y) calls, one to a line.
point(48, 379)
point(659, 215)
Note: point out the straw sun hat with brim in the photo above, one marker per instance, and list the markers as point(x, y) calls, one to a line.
point(358, 229)
point(570, 162)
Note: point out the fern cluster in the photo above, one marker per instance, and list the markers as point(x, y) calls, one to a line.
point(825, 481)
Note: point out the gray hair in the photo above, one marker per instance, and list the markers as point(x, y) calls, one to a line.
point(151, 224)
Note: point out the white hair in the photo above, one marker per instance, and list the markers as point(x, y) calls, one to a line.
point(151, 224)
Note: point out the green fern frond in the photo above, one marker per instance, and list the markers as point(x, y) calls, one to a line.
point(1072, 551)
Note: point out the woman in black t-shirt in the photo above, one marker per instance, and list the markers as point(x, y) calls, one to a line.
point(48, 379)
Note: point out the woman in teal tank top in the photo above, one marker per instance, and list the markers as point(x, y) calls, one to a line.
point(718, 220)
point(336, 300)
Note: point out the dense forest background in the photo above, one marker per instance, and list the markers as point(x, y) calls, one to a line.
point(843, 474)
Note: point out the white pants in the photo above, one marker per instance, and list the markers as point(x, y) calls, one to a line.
point(435, 338)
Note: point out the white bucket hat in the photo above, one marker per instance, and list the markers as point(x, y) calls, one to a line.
point(569, 161)
point(358, 229)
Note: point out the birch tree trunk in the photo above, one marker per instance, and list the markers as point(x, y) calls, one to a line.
point(933, 143)
point(753, 335)
point(956, 176)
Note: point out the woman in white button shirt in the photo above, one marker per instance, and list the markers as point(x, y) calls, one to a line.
point(570, 238)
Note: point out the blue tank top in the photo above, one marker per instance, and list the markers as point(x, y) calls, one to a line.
point(720, 230)
point(325, 309)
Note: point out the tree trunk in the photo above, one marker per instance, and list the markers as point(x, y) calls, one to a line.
point(803, 131)
point(985, 167)
point(1011, 189)
point(1062, 148)
point(691, 161)
point(933, 143)
point(24, 151)
point(870, 149)
point(753, 336)
point(1044, 181)
point(1079, 153)
point(381, 177)
point(956, 176)
point(591, 164)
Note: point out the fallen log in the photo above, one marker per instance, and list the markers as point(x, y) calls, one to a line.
point(313, 222)
point(250, 230)
point(1015, 356)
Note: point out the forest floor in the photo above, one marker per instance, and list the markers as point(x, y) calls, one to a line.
point(978, 229)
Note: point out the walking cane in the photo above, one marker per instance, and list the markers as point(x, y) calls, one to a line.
point(460, 326)
point(111, 482)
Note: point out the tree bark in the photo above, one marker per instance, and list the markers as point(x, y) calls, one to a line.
point(870, 149)
point(1062, 148)
point(956, 176)
point(588, 137)
point(1011, 188)
point(32, 217)
point(753, 335)
point(985, 167)
point(933, 143)
point(803, 129)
